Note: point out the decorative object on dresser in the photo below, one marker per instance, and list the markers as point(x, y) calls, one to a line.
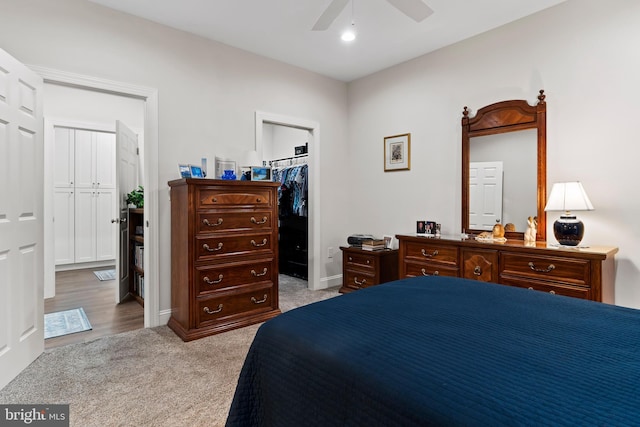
point(586, 273)
point(567, 197)
point(224, 255)
point(362, 268)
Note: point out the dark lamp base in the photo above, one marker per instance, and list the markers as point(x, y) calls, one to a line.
point(568, 230)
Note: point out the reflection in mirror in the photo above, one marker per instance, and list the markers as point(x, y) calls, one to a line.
point(503, 173)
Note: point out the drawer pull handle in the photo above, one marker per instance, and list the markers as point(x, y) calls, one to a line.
point(435, 273)
point(214, 199)
point(355, 280)
point(552, 292)
point(264, 273)
point(264, 242)
point(350, 259)
point(541, 270)
point(477, 271)
point(208, 224)
point(208, 248)
point(258, 200)
point(530, 288)
point(368, 262)
point(255, 301)
point(254, 221)
point(212, 282)
point(209, 311)
point(424, 253)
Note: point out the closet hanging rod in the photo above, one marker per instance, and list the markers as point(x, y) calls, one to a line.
point(288, 158)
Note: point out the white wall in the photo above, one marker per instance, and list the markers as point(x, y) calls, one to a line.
point(582, 53)
point(208, 93)
point(280, 141)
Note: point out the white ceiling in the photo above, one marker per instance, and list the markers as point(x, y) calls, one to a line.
point(281, 29)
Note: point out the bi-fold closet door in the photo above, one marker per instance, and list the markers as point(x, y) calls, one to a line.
point(84, 196)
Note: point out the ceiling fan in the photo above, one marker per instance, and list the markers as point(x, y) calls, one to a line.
point(414, 9)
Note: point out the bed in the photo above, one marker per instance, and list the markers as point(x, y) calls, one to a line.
point(443, 351)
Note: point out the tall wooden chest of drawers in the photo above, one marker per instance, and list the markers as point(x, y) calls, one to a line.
point(224, 255)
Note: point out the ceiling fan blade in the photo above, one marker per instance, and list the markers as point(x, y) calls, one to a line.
point(414, 9)
point(330, 15)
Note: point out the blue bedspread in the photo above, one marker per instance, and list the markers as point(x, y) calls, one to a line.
point(447, 352)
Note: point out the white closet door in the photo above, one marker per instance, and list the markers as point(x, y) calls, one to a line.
point(105, 229)
point(85, 159)
point(105, 162)
point(63, 225)
point(64, 152)
point(85, 223)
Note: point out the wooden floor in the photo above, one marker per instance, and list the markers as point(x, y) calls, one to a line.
point(81, 288)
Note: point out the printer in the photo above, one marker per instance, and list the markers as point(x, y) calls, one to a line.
point(357, 239)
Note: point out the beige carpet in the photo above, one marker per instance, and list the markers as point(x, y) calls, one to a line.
point(147, 377)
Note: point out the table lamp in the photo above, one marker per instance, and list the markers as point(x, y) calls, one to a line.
point(567, 197)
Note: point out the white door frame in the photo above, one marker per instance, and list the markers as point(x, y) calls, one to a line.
point(314, 182)
point(150, 144)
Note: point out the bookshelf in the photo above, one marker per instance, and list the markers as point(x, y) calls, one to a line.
point(136, 252)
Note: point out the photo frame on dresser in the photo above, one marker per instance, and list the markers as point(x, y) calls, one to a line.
point(185, 171)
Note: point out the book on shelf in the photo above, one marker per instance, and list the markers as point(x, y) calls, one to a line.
point(373, 245)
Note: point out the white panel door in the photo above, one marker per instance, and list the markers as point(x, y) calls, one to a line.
point(63, 225)
point(21, 218)
point(127, 173)
point(485, 194)
point(105, 161)
point(105, 228)
point(64, 152)
point(85, 225)
point(85, 159)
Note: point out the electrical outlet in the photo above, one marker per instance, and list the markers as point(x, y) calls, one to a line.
point(330, 252)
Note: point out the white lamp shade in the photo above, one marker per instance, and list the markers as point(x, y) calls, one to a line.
point(568, 196)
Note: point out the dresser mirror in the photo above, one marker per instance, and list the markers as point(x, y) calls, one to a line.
point(504, 167)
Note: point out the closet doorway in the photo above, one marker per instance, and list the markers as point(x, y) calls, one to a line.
point(299, 132)
point(285, 149)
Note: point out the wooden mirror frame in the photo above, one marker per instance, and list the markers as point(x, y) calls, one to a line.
point(502, 117)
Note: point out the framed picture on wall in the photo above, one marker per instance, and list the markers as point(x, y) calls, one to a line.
point(397, 152)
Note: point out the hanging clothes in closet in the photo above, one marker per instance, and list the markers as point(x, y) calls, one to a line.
point(293, 190)
point(293, 216)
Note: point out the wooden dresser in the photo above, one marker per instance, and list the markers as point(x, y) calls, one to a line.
point(586, 273)
point(361, 269)
point(224, 255)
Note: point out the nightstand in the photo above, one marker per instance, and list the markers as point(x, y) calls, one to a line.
point(361, 269)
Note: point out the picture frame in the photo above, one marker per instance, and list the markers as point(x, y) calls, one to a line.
point(260, 173)
point(185, 171)
point(223, 165)
point(389, 241)
point(397, 152)
point(196, 171)
point(421, 227)
point(430, 227)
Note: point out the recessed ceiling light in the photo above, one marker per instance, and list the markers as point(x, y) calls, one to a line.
point(348, 36)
